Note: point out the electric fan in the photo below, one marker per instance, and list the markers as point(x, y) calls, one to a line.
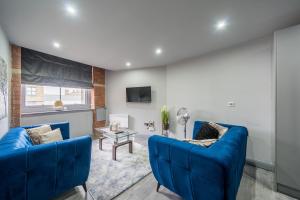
point(182, 118)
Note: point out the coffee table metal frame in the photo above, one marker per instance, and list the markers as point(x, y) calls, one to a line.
point(118, 140)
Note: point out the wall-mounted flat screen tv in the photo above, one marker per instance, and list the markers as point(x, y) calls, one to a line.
point(138, 94)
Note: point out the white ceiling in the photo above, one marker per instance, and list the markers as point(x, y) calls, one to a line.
point(108, 33)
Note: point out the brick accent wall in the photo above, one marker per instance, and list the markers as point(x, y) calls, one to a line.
point(16, 86)
point(98, 94)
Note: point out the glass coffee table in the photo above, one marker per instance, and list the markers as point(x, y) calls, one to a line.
point(120, 138)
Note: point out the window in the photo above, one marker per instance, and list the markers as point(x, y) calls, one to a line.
point(38, 98)
point(31, 91)
point(73, 96)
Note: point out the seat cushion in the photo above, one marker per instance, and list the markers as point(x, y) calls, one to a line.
point(15, 138)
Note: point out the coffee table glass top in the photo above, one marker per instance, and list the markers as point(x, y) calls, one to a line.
point(122, 134)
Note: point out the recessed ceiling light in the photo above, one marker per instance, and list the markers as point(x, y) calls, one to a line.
point(56, 45)
point(158, 51)
point(221, 25)
point(128, 64)
point(71, 10)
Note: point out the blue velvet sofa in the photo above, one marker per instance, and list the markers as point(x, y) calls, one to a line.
point(41, 172)
point(199, 173)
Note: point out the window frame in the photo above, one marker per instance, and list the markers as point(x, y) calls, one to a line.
point(32, 92)
point(50, 108)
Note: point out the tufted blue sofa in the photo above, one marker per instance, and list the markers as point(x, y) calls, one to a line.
point(41, 172)
point(199, 173)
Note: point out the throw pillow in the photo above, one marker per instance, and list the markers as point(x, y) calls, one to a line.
point(34, 133)
point(221, 129)
point(205, 143)
point(51, 136)
point(207, 132)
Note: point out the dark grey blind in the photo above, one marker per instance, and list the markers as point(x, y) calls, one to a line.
point(44, 69)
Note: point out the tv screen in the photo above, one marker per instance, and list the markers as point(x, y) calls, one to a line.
point(138, 94)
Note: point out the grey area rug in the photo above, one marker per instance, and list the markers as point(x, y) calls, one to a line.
point(109, 178)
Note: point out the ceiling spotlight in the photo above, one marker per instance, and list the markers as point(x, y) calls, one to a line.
point(71, 10)
point(56, 45)
point(158, 51)
point(128, 64)
point(221, 25)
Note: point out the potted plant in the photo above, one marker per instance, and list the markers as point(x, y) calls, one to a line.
point(165, 118)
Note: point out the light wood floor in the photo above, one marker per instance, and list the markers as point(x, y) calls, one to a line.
point(250, 189)
point(146, 189)
point(256, 184)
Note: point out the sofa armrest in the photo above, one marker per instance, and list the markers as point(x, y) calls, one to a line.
point(13, 173)
point(185, 168)
point(63, 126)
point(56, 167)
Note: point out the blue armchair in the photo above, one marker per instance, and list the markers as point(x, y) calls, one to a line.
point(195, 172)
point(42, 171)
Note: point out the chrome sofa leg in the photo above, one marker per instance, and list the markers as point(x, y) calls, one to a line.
point(84, 187)
point(157, 187)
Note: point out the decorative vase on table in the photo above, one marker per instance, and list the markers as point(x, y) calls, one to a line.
point(165, 121)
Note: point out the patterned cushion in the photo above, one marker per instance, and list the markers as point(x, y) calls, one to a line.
point(51, 136)
point(34, 133)
point(205, 143)
point(221, 129)
point(207, 132)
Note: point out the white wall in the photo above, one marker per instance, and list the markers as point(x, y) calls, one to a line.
point(116, 83)
point(243, 75)
point(286, 54)
point(81, 123)
point(5, 54)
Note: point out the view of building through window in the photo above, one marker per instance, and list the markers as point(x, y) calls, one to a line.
point(37, 95)
point(73, 96)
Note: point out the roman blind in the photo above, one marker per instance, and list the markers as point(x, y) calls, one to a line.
point(44, 69)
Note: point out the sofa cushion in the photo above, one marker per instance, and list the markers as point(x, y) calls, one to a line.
point(63, 126)
point(204, 143)
point(221, 129)
point(35, 133)
point(207, 132)
point(51, 136)
point(15, 138)
point(198, 125)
